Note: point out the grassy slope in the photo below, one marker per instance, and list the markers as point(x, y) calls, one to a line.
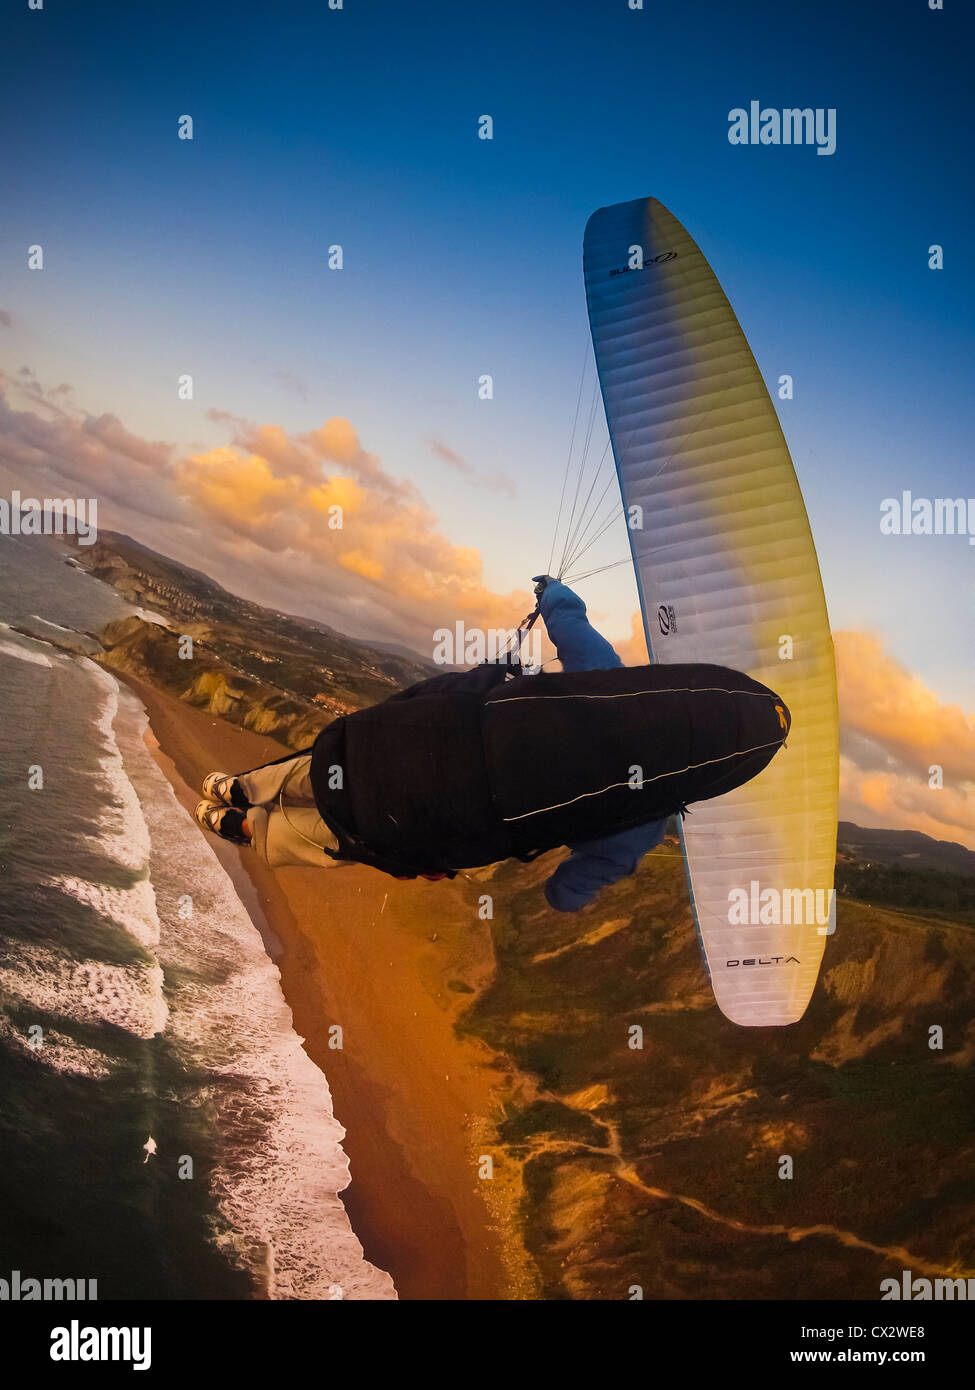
point(877, 1124)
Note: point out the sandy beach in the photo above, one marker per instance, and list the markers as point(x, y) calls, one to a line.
point(391, 964)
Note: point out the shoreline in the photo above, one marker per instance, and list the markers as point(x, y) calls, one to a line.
point(360, 952)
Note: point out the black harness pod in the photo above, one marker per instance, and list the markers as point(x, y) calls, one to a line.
point(468, 769)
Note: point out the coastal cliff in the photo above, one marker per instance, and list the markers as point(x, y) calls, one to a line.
point(136, 647)
point(270, 672)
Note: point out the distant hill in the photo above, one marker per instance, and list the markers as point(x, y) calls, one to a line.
point(268, 671)
point(144, 574)
point(907, 848)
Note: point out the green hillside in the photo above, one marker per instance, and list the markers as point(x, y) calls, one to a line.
point(659, 1167)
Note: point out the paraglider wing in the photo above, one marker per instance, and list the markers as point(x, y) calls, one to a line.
point(727, 573)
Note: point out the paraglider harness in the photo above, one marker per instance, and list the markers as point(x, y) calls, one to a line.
point(351, 847)
point(404, 861)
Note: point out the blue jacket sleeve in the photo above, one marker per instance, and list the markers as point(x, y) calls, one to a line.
point(579, 645)
point(593, 864)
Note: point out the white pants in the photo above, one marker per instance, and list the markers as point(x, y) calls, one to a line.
point(284, 822)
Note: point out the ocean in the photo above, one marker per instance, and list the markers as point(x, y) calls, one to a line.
point(161, 1129)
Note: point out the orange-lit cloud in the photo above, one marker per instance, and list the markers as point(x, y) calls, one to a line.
point(895, 734)
point(255, 513)
point(633, 649)
point(885, 703)
point(905, 803)
point(277, 491)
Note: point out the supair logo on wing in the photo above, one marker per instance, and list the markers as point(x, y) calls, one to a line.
point(667, 619)
point(637, 261)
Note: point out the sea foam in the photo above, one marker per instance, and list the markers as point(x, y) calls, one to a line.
point(282, 1164)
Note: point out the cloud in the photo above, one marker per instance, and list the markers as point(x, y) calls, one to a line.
point(78, 455)
point(499, 482)
point(884, 703)
point(897, 802)
point(255, 513)
point(633, 649)
point(110, 432)
point(893, 731)
point(279, 493)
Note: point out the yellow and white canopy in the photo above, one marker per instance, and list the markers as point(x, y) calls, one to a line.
point(727, 573)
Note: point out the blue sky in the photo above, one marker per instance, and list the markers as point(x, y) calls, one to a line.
point(464, 256)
